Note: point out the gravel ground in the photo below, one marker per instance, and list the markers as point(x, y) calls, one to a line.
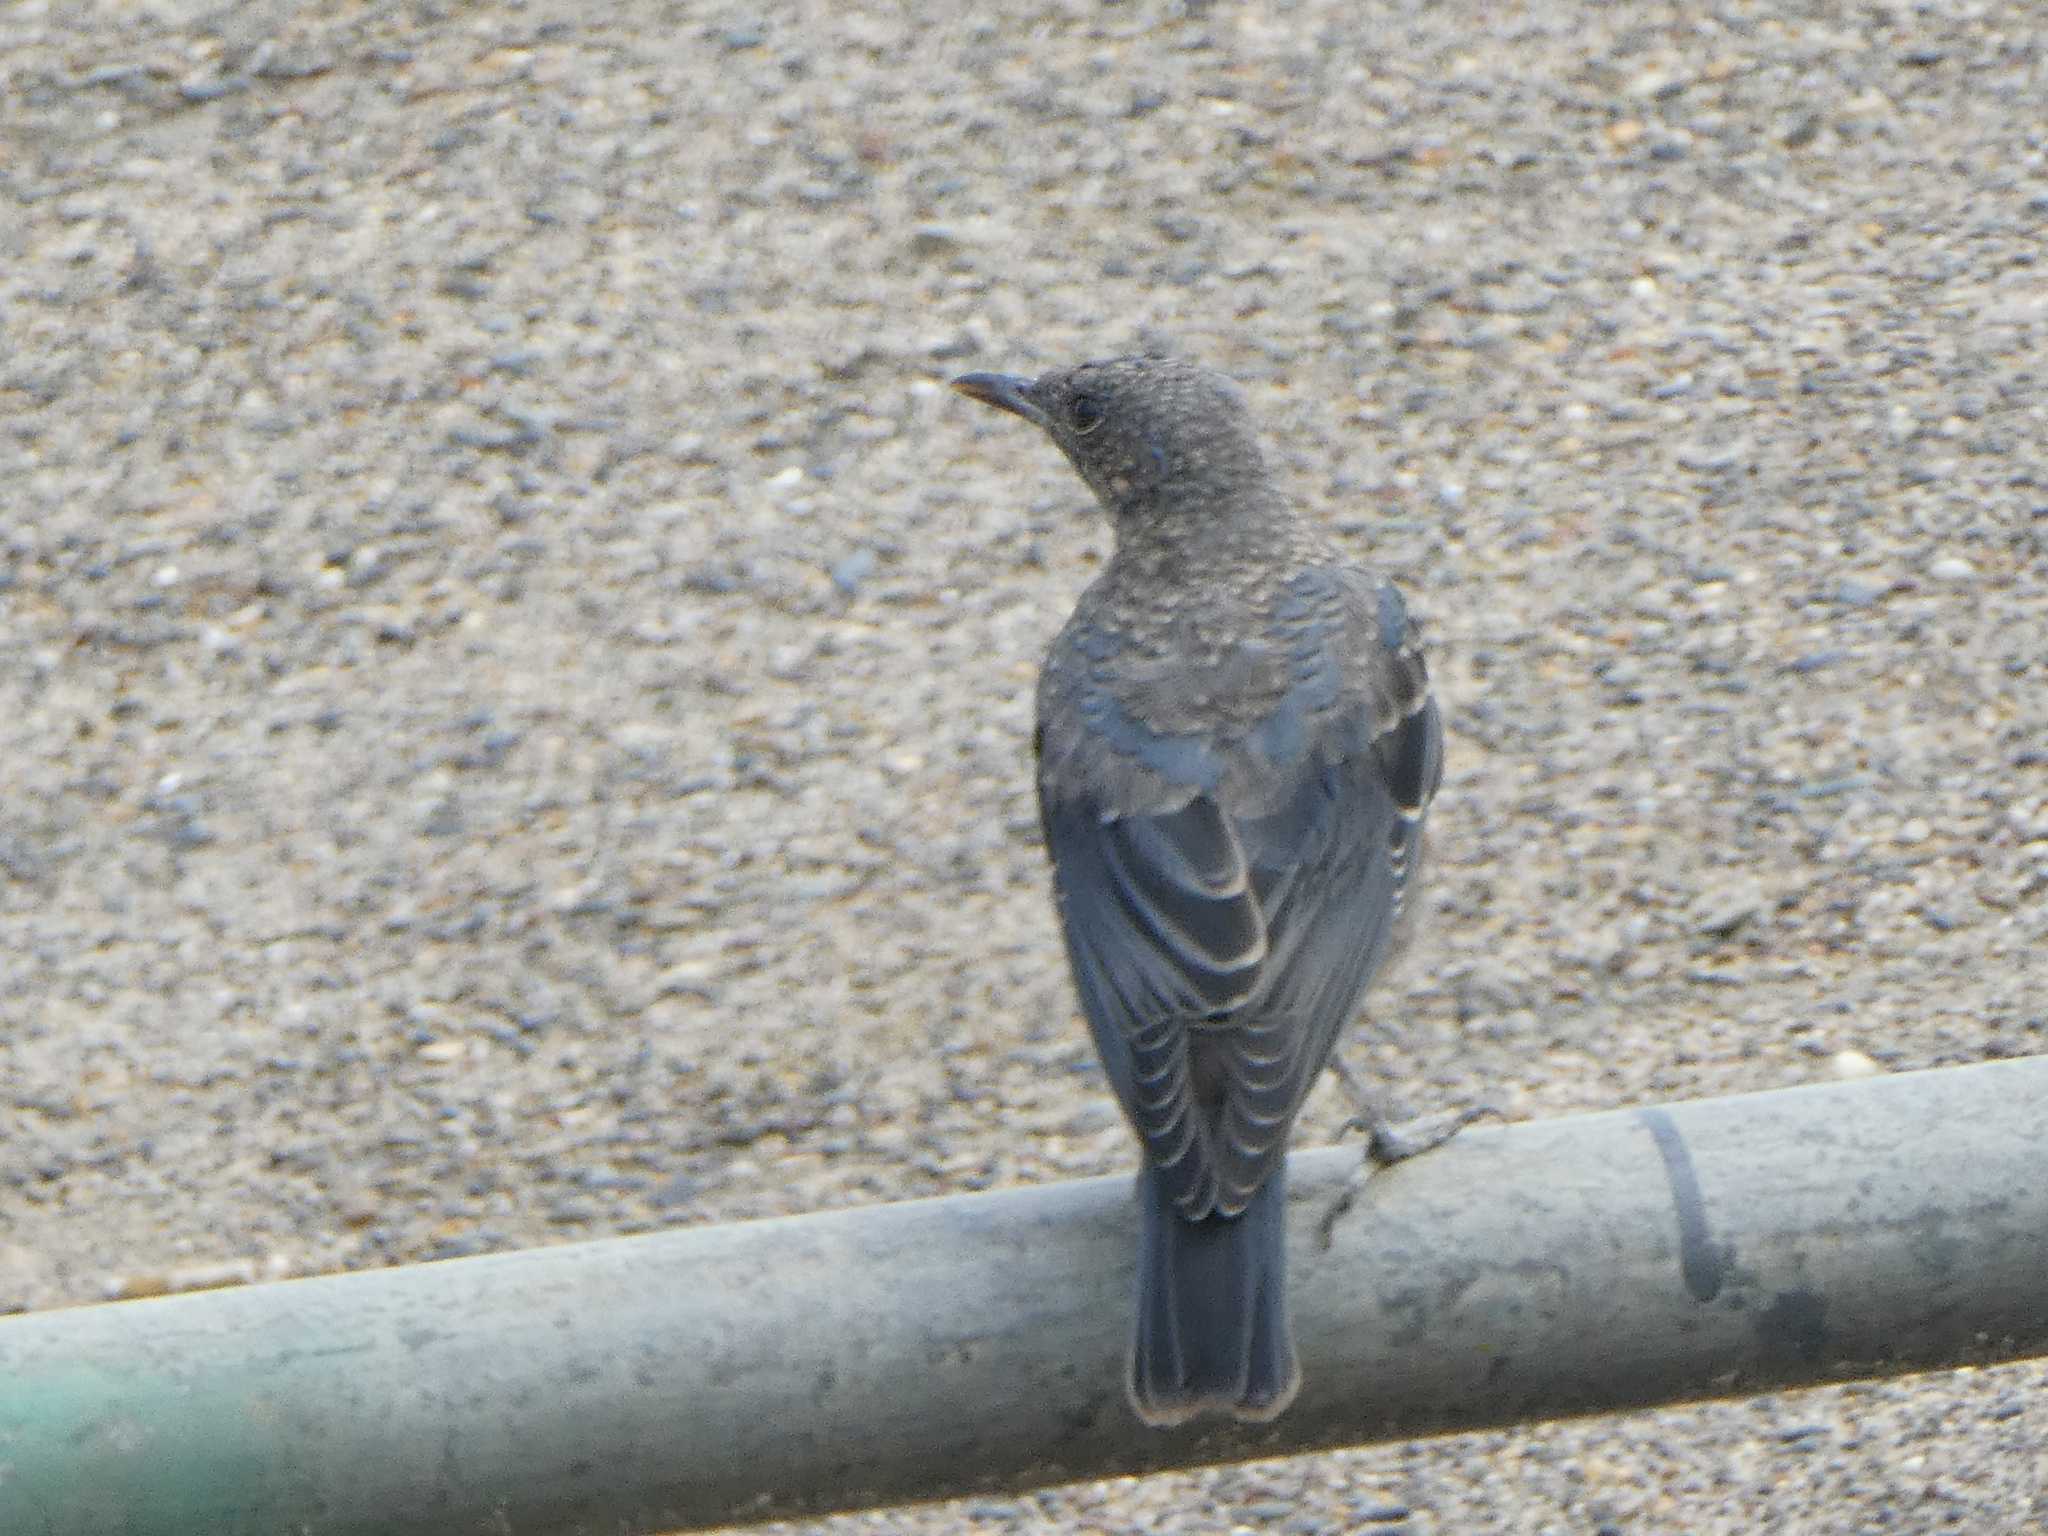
point(516, 673)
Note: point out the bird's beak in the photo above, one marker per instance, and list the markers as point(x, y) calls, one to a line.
point(1004, 391)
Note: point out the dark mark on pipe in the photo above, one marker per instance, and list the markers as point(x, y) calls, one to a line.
point(1702, 1261)
point(1795, 1323)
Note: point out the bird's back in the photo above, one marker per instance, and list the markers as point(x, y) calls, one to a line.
point(1215, 783)
point(1224, 685)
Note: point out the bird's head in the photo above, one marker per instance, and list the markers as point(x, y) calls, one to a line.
point(1148, 434)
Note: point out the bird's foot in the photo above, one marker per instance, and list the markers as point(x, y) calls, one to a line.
point(1387, 1144)
point(1347, 1197)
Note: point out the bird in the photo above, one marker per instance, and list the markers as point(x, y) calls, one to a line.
point(1236, 746)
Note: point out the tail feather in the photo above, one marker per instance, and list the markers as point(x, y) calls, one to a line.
point(1212, 1327)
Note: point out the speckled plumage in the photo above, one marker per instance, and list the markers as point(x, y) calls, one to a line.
point(1236, 748)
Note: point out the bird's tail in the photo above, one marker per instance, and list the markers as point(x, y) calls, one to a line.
point(1212, 1309)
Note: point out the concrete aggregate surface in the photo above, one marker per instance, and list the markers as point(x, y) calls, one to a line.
point(515, 673)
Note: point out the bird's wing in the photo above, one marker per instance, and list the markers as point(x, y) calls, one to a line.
point(1217, 955)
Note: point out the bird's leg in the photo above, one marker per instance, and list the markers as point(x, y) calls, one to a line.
point(1388, 1142)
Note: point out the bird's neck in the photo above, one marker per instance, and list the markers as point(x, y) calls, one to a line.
point(1189, 548)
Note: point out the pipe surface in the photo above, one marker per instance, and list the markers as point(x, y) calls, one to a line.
point(864, 1357)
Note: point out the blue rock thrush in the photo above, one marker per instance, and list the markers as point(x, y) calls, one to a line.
point(1236, 748)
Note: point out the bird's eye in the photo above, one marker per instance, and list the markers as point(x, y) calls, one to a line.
point(1086, 414)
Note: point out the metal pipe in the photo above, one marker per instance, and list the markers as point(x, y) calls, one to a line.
point(729, 1374)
